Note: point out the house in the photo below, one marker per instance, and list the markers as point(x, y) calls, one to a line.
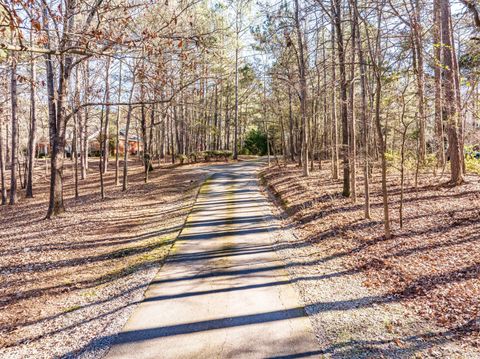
point(135, 144)
point(42, 147)
point(94, 143)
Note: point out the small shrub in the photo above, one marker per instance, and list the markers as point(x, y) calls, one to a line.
point(430, 160)
point(182, 158)
point(226, 155)
point(255, 143)
point(210, 155)
point(217, 155)
point(196, 157)
point(207, 155)
point(392, 157)
point(472, 165)
point(192, 158)
point(245, 151)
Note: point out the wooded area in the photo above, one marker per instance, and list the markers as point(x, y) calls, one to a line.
point(379, 97)
point(354, 83)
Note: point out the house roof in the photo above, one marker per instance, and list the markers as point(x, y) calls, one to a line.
point(130, 136)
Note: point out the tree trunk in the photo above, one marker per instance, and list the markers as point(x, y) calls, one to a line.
point(3, 188)
point(343, 97)
point(106, 149)
point(382, 148)
point(290, 126)
point(14, 103)
point(125, 154)
point(439, 135)
point(143, 125)
point(235, 134)
point(75, 152)
point(265, 120)
point(326, 141)
point(57, 124)
point(418, 45)
point(101, 152)
point(451, 112)
point(461, 117)
point(33, 129)
point(376, 60)
point(163, 138)
point(84, 137)
point(351, 110)
point(55, 206)
point(363, 114)
point(117, 126)
point(335, 157)
point(303, 91)
point(127, 129)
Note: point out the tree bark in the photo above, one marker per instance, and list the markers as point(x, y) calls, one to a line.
point(33, 128)
point(337, 10)
point(57, 125)
point(125, 154)
point(382, 149)
point(437, 56)
point(303, 91)
point(75, 152)
point(107, 119)
point(363, 113)
point(14, 143)
point(351, 110)
point(235, 134)
point(117, 126)
point(450, 110)
point(84, 128)
point(3, 188)
point(376, 60)
point(290, 126)
point(418, 45)
point(335, 157)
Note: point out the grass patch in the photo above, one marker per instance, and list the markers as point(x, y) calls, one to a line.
point(262, 179)
point(89, 294)
point(67, 282)
point(156, 255)
point(472, 165)
point(71, 309)
point(283, 202)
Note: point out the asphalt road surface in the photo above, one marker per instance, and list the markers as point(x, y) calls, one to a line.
point(223, 293)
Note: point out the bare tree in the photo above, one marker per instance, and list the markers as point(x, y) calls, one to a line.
point(303, 89)
point(363, 113)
point(117, 126)
point(33, 125)
point(437, 58)
point(376, 59)
point(337, 17)
point(3, 188)
point(14, 148)
point(451, 111)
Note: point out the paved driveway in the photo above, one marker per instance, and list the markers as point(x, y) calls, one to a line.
point(223, 293)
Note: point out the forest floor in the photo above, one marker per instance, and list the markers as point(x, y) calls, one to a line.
point(417, 293)
point(66, 280)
